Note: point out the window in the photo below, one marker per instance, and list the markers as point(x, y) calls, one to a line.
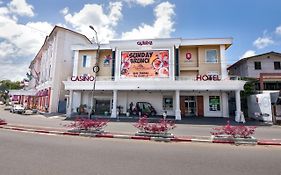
point(214, 103)
point(213, 73)
point(86, 61)
point(211, 56)
point(277, 65)
point(257, 65)
point(167, 103)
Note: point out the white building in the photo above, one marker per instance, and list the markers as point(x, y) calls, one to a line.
point(52, 65)
point(184, 77)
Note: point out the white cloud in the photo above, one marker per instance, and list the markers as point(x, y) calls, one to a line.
point(93, 14)
point(263, 42)
point(162, 27)
point(14, 72)
point(141, 2)
point(248, 53)
point(6, 49)
point(20, 7)
point(18, 43)
point(64, 11)
point(278, 30)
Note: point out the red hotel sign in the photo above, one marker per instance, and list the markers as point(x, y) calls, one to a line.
point(82, 78)
point(207, 78)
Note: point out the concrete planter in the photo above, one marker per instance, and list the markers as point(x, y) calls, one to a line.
point(163, 135)
point(230, 139)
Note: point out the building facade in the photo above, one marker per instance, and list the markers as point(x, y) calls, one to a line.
point(52, 65)
point(264, 67)
point(181, 77)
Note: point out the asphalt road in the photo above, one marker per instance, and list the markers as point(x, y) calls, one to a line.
point(36, 154)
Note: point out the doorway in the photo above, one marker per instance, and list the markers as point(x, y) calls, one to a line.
point(188, 105)
point(102, 107)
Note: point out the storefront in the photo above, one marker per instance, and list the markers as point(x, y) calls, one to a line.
point(178, 76)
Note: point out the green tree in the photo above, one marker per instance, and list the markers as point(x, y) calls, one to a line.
point(5, 86)
point(249, 89)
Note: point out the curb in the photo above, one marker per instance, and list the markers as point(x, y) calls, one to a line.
point(273, 142)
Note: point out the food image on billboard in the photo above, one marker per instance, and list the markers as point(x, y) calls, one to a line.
point(139, 64)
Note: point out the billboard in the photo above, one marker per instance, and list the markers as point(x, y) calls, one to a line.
point(141, 64)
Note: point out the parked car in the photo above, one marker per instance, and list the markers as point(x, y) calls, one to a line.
point(144, 108)
point(17, 109)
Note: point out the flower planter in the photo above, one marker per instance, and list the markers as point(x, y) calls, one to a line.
point(82, 125)
point(235, 140)
point(159, 129)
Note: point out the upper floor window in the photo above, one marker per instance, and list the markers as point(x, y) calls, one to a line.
point(257, 65)
point(86, 61)
point(277, 65)
point(211, 56)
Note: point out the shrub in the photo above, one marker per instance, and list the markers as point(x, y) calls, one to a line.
point(234, 131)
point(162, 127)
point(2, 122)
point(88, 124)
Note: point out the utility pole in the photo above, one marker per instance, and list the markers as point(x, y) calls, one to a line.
point(95, 70)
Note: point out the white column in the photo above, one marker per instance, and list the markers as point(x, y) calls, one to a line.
point(69, 107)
point(224, 73)
point(238, 106)
point(178, 111)
point(114, 104)
point(225, 109)
point(75, 63)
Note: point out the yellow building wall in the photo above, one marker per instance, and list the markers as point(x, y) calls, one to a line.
point(105, 69)
point(197, 64)
point(205, 67)
point(193, 62)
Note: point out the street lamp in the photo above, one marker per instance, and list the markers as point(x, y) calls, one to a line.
point(95, 69)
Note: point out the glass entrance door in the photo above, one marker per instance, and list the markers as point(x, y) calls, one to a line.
point(190, 106)
point(102, 107)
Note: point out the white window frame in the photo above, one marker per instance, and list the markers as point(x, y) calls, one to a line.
point(88, 61)
point(217, 57)
point(213, 73)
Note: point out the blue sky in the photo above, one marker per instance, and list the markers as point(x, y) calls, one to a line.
point(24, 23)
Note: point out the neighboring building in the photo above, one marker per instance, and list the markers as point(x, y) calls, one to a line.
point(52, 65)
point(184, 77)
point(264, 67)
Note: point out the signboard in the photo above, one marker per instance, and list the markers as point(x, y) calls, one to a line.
point(207, 78)
point(188, 56)
point(151, 63)
point(83, 78)
point(147, 42)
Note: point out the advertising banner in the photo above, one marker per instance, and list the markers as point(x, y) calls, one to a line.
point(141, 64)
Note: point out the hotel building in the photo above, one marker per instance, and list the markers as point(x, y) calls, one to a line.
point(182, 77)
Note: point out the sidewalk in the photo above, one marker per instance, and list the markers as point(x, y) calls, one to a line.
point(190, 127)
